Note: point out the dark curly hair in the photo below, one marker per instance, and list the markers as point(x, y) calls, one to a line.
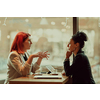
point(80, 37)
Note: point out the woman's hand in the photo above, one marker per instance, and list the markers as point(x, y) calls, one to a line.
point(39, 54)
point(63, 72)
point(44, 55)
point(68, 54)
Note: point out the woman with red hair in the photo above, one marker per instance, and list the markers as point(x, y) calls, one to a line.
point(19, 61)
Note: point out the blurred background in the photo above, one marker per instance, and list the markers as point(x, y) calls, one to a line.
point(51, 34)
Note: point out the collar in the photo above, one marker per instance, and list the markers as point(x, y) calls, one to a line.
point(80, 51)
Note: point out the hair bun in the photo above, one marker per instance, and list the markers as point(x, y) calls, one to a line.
point(82, 35)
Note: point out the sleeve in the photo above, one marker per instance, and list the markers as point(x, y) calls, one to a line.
point(21, 68)
point(76, 66)
point(35, 67)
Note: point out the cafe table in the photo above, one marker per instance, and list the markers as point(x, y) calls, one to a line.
point(29, 79)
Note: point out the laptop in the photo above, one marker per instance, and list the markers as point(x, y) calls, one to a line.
point(48, 77)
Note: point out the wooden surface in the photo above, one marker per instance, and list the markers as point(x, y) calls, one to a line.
point(30, 80)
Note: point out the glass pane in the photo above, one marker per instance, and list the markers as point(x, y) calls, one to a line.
point(91, 26)
point(48, 34)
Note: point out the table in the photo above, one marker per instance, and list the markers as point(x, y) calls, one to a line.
point(30, 80)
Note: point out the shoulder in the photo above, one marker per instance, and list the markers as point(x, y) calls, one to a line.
point(81, 56)
point(13, 54)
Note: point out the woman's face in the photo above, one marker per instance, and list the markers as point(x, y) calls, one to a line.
point(27, 44)
point(71, 46)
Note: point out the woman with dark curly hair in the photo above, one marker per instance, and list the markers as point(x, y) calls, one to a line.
point(80, 68)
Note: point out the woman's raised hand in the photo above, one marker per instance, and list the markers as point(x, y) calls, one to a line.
point(68, 54)
point(44, 54)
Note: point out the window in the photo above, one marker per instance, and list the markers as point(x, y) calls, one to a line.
point(51, 34)
point(48, 34)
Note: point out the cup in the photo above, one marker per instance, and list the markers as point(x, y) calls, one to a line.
point(55, 71)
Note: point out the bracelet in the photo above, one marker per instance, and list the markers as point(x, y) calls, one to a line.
point(67, 59)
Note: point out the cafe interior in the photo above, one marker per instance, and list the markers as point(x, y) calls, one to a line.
point(51, 34)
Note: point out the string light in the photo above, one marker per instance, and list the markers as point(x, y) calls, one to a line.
point(8, 36)
point(26, 20)
point(5, 21)
point(52, 23)
point(66, 21)
point(43, 21)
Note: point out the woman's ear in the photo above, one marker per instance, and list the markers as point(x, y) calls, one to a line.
point(77, 45)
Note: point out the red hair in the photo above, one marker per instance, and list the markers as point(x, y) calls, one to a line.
point(18, 42)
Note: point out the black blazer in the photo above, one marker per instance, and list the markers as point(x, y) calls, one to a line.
point(80, 69)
